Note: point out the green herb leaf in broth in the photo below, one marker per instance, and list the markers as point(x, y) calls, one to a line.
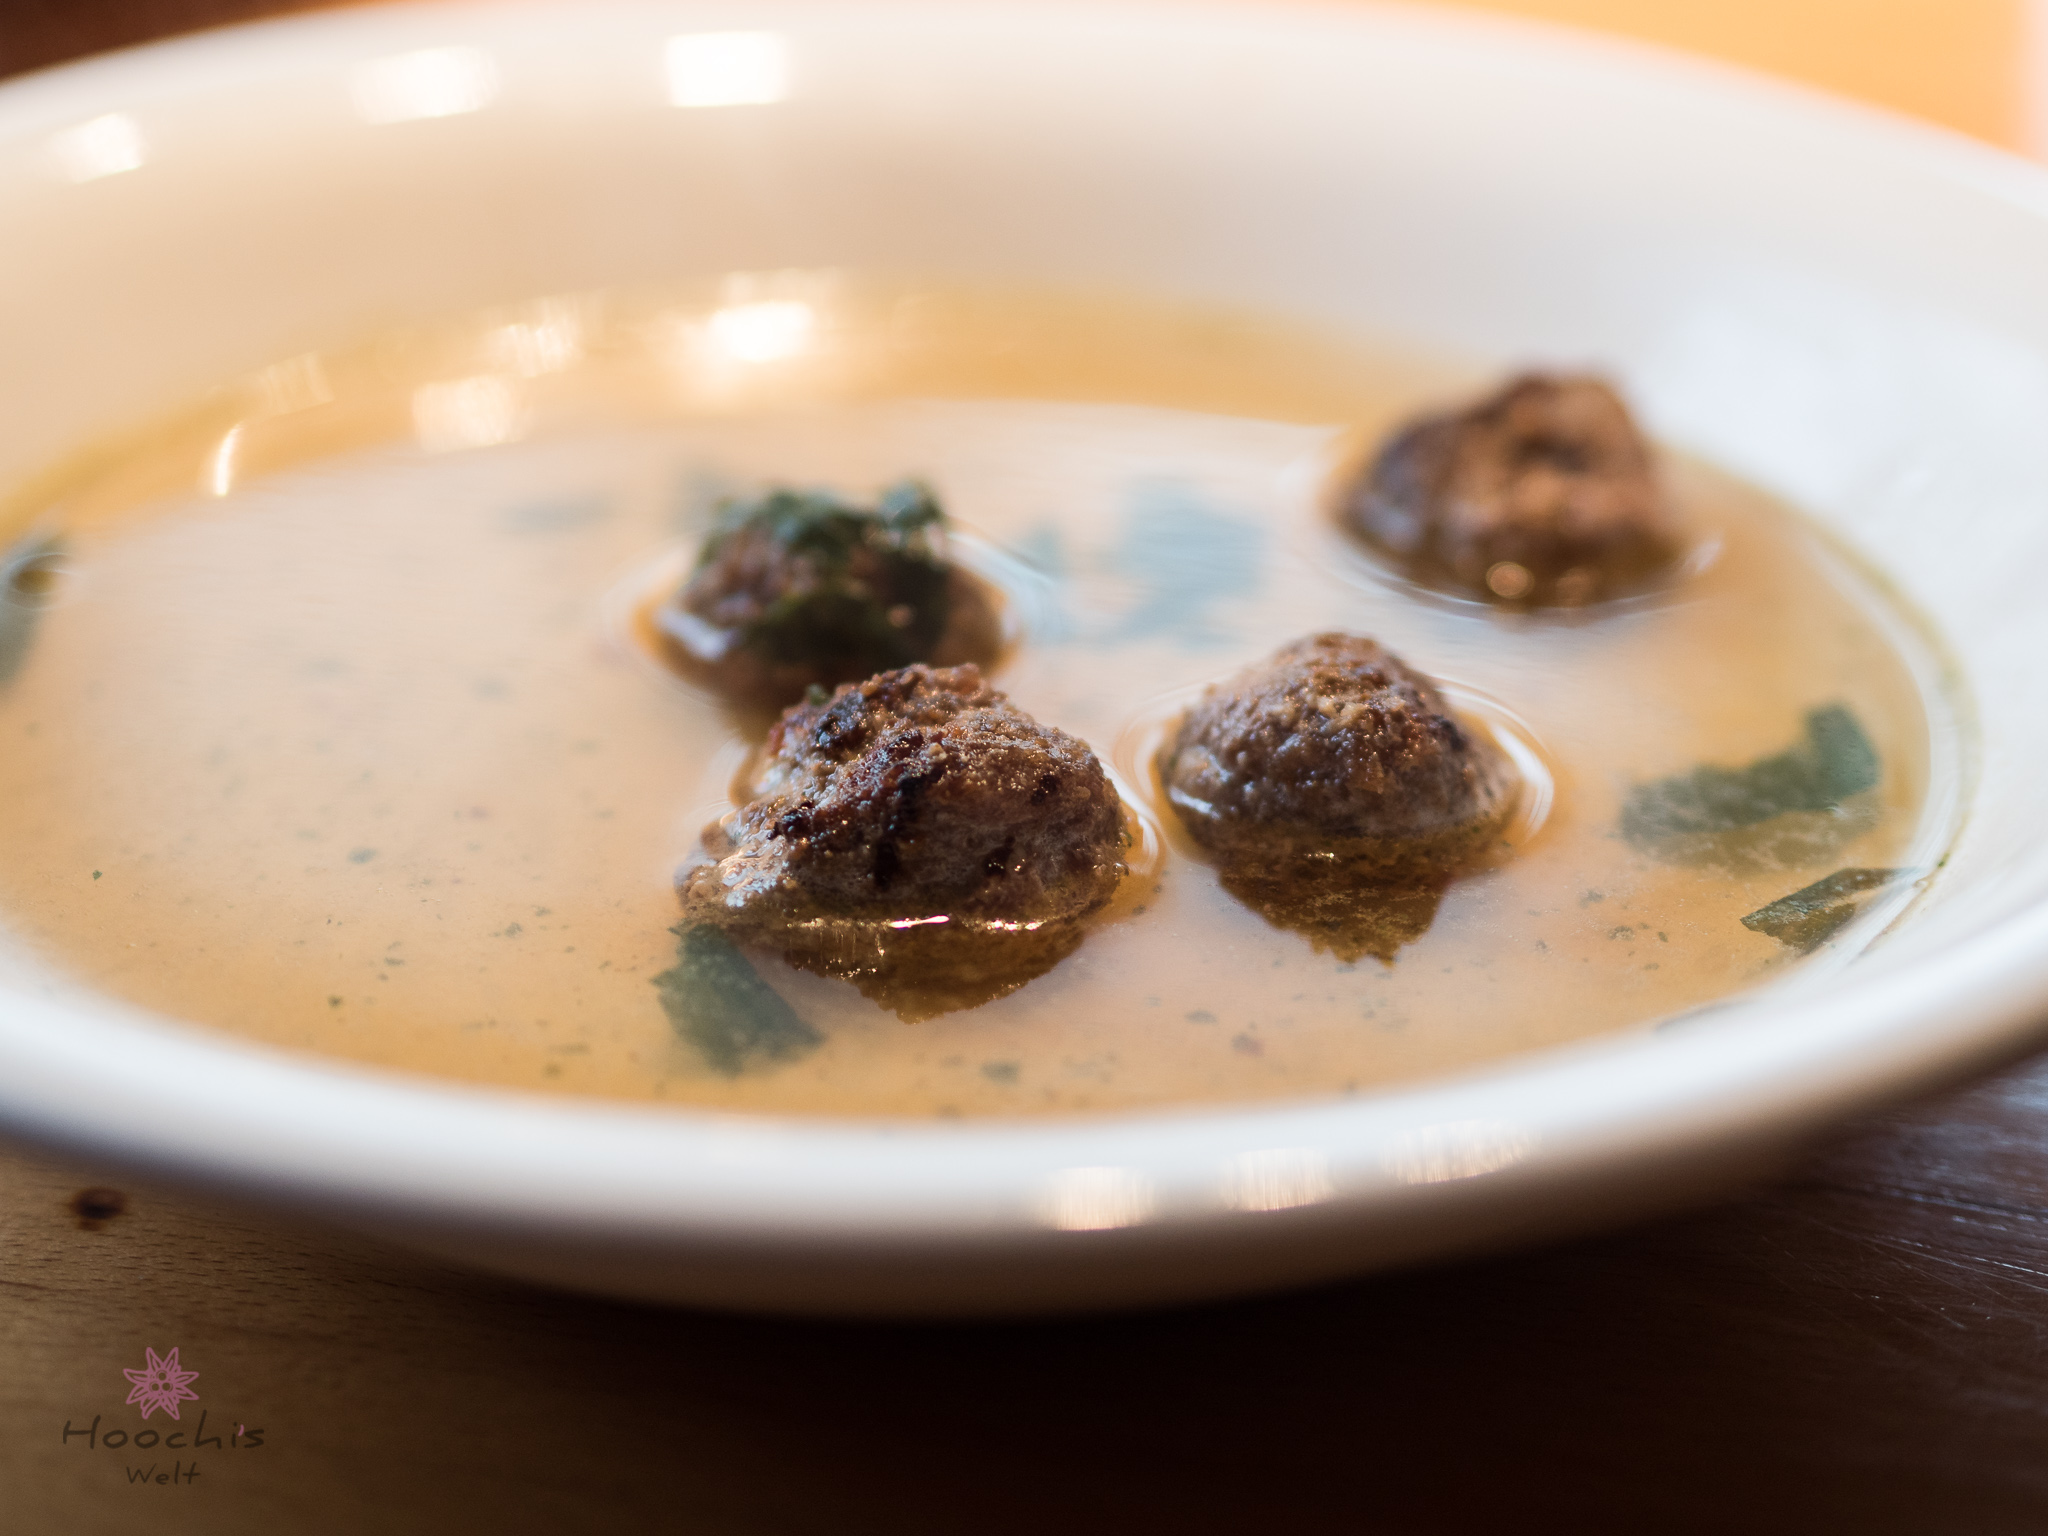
point(1184, 559)
point(719, 1004)
point(1812, 915)
point(28, 571)
point(1790, 809)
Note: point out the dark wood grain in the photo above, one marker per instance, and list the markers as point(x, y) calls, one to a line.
point(1862, 1347)
point(35, 33)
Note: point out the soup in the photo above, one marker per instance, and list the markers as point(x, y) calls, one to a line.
point(335, 723)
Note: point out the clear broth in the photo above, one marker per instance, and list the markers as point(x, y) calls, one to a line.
point(338, 732)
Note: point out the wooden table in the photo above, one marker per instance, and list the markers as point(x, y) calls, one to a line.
point(1863, 1347)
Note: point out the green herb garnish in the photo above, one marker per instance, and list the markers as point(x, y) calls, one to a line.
point(1812, 915)
point(1834, 762)
point(719, 1004)
point(28, 574)
point(1782, 810)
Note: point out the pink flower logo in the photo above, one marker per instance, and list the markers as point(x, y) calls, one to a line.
point(160, 1384)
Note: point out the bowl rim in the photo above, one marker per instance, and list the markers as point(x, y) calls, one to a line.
point(267, 1122)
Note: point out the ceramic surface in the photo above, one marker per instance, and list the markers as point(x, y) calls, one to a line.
point(1846, 309)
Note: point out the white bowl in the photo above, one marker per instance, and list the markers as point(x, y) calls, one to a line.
point(1849, 310)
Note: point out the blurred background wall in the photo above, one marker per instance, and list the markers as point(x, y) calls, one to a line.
point(1971, 64)
point(1966, 63)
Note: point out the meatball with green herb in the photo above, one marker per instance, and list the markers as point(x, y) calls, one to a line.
point(800, 589)
point(1542, 494)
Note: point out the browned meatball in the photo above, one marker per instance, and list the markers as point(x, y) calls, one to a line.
point(916, 830)
point(1542, 494)
point(1337, 790)
point(801, 589)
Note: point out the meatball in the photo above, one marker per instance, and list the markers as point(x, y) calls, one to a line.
point(1542, 494)
point(799, 590)
point(919, 835)
point(1337, 791)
